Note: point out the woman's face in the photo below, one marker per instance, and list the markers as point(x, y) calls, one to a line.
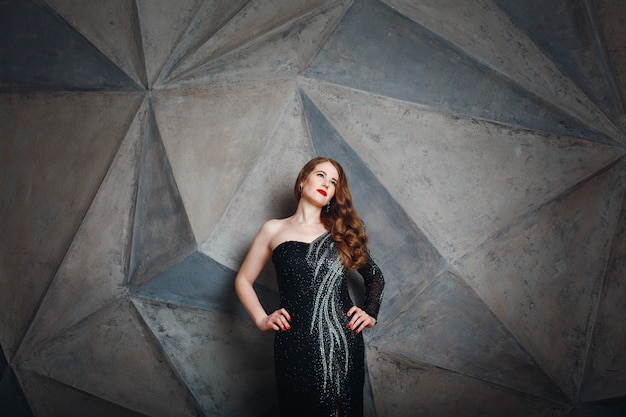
point(319, 186)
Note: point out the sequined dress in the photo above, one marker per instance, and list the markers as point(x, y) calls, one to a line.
point(319, 362)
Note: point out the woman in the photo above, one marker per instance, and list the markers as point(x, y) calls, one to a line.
point(318, 349)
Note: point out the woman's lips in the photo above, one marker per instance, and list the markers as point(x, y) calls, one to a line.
point(322, 192)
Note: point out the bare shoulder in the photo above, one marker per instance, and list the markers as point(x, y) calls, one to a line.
point(274, 224)
point(276, 231)
point(270, 232)
point(272, 227)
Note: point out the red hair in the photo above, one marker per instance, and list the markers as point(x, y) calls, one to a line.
point(342, 219)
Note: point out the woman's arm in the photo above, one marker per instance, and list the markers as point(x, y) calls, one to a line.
point(374, 286)
point(258, 255)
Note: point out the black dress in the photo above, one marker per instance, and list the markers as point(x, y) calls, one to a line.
point(320, 362)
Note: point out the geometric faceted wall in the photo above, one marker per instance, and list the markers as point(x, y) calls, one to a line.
point(143, 143)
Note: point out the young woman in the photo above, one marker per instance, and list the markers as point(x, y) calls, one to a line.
point(318, 349)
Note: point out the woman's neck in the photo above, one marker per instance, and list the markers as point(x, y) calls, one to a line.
point(307, 214)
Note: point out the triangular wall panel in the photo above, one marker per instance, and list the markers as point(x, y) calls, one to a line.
point(492, 36)
point(59, 57)
point(606, 365)
point(199, 282)
point(12, 400)
point(449, 326)
point(543, 276)
point(112, 27)
point(565, 31)
point(162, 234)
point(162, 25)
point(609, 22)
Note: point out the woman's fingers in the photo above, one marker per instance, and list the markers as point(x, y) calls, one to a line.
point(360, 319)
point(356, 314)
point(285, 314)
point(279, 320)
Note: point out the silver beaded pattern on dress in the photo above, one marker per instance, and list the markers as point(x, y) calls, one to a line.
point(326, 322)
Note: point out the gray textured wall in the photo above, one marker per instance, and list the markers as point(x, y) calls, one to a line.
point(143, 143)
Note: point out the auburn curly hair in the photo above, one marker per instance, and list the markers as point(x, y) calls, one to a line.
point(342, 219)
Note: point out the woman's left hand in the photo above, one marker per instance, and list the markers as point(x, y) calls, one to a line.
point(360, 319)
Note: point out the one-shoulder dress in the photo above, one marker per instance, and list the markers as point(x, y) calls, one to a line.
point(319, 362)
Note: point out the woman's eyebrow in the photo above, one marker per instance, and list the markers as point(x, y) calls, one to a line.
point(325, 174)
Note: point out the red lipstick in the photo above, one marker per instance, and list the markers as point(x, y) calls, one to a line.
point(322, 192)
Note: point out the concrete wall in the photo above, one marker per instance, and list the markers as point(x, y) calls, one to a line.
point(143, 143)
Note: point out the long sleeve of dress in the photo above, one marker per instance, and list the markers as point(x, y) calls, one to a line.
point(374, 286)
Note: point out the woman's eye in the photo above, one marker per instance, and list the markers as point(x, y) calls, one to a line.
point(333, 183)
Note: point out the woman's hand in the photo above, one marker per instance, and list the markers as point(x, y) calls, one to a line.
point(360, 319)
point(278, 320)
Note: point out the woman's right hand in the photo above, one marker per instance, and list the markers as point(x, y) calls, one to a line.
point(278, 320)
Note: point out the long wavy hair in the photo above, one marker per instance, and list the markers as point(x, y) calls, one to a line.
point(341, 219)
